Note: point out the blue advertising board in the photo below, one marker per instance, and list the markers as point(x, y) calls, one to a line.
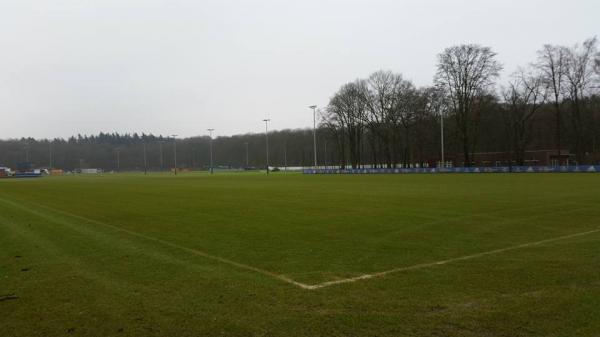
point(497, 169)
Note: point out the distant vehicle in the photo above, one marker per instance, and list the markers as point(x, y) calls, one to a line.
point(6, 172)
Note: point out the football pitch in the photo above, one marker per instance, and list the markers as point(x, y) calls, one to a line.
point(247, 254)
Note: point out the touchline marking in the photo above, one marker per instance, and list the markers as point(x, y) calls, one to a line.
point(289, 280)
point(163, 242)
point(442, 262)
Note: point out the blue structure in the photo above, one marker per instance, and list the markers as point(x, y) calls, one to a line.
point(498, 169)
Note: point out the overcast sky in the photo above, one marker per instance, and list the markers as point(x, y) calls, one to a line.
point(180, 67)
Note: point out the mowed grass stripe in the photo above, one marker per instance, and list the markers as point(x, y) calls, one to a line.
point(286, 279)
point(327, 228)
point(146, 237)
point(48, 252)
point(314, 229)
point(453, 260)
point(96, 244)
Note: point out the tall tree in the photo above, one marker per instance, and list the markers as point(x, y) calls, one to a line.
point(387, 95)
point(579, 74)
point(523, 97)
point(552, 63)
point(467, 72)
point(345, 113)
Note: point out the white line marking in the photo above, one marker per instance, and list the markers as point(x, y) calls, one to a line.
point(288, 279)
point(456, 259)
point(163, 242)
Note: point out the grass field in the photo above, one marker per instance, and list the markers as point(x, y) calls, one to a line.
point(286, 255)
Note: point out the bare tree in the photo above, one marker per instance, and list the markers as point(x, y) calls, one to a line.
point(404, 117)
point(346, 112)
point(385, 93)
point(467, 72)
point(552, 64)
point(579, 74)
point(430, 107)
point(435, 104)
point(523, 97)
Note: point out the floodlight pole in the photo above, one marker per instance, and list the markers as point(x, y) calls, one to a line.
point(267, 140)
point(246, 155)
point(175, 151)
point(325, 156)
point(50, 153)
point(211, 149)
point(118, 160)
point(160, 149)
point(442, 138)
point(145, 160)
point(314, 108)
point(285, 156)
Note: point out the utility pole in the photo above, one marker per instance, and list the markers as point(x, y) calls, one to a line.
point(267, 140)
point(211, 149)
point(314, 108)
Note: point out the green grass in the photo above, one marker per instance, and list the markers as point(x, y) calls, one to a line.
point(118, 255)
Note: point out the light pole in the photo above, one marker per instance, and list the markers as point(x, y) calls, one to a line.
point(285, 156)
point(267, 140)
point(50, 153)
point(160, 143)
point(325, 156)
point(314, 108)
point(442, 138)
point(211, 150)
point(246, 143)
point(118, 160)
point(175, 151)
point(145, 160)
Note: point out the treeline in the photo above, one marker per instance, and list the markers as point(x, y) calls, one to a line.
point(136, 152)
point(386, 121)
point(551, 103)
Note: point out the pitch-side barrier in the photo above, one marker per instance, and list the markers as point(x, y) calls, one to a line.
point(497, 169)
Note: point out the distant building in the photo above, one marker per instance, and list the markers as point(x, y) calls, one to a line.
point(91, 171)
point(531, 158)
